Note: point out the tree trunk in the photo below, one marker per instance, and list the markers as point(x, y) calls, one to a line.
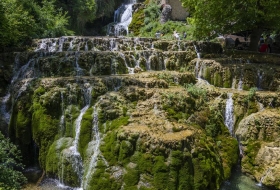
point(255, 38)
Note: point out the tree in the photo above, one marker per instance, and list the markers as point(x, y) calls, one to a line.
point(10, 161)
point(212, 17)
point(15, 23)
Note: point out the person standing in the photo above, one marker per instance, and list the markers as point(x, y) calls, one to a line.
point(269, 42)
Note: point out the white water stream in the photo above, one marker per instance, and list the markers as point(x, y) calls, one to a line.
point(229, 119)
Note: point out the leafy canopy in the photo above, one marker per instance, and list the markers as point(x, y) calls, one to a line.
point(228, 16)
point(21, 20)
point(10, 159)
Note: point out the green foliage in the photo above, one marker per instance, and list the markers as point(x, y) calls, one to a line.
point(195, 91)
point(16, 23)
point(229, 16)
point(22, 20)
point(137, 22)
point(152, 13)
point(10, 162)
point(178, 106)
point(84, 11)
point(251, 94)
point(146, 23)
point(53, 20)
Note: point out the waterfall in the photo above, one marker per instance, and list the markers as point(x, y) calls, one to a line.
point(4, 112)
point(264, 176)
point(229, 117)
point(96, 151)
point(76, 159)
point(240, 83)
point(122, 19)
point(62, 118)
point(130, 69)
point(196, 70)
point(79, 70)
point(60, 45)
point(259, 80)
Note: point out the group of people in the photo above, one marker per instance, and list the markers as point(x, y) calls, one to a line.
point(176, 35)
point(265, 44)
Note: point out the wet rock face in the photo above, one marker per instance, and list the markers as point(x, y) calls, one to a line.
point(135, 113)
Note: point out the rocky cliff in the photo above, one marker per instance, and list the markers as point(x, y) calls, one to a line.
point(140, 113)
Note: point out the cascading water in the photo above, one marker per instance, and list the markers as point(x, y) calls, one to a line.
point(263, 177)
point(122, 19)
point(196, 70)
point(240, 83)
point(62, 118)
point(96, 150)
point(130, 69)
point(229, 117)
point(76, 159)
point(259, 79)
point(4, 112)
point(79, 71)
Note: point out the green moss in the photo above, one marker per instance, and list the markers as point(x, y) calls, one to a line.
point(218, 80)
point(126, 150)
point(58, 165)
point(115, 124)
point(85, 131)
point(228, 150)
point(44, 128)
point(137, 22)
point(252, 107)
point(101, 179)
point(23, 130)
point(160, 172)
point(131, 178)
point(110, 148)
point(207, 74)
point(250, 153)
point(227, 79)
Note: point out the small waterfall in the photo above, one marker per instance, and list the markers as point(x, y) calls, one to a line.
point(79, 70)
point(229, 116)
point(263, 177)
point(122, 18)
point(86, 46)
point(130, 69)
point(60, 45)
point(76, 159)
point(196, 70)
point(240, 83)
point(4, 112)
point(70, 48)
point(112, 45)
point(26, 71)
point(62, 118)
point(61, 176)
point(259, 80)
point(96, 150)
